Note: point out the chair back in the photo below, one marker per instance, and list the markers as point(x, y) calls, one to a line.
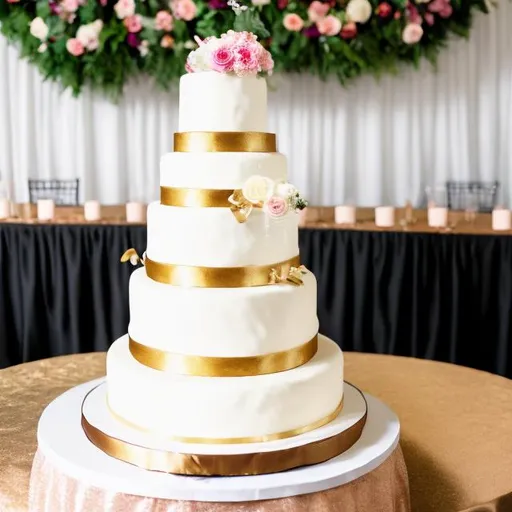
point(63, 192)
point(472, 195)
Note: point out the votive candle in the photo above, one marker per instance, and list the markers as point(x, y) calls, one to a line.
point(45, 209)
point(135, 212)
point(385, 216)
point(5, 208)
point(438, 217)
point(501, 220)
point(92, 210)
point(345, 214)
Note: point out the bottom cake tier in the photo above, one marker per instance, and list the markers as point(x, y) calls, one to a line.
point(226, 409)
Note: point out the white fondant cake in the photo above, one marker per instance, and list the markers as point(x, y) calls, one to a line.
point(222, 322)
point(216, 102)
point(251, 322)
point(224, 407)
point(211, 237)
point(219, 170)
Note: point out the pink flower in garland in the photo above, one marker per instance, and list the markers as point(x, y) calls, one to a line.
point(429, 18)
point(75, 47)
point(70, 5)
point(384, 10)
point(293, 22)
point(317, 10)
point(282, 4)
point(223, 59)
point(276, 206)
point(349, 31)
point(163, 21)
point(133, 23)
point(413, 15)
point(329, 26)
point(412, 33)
point(184, 9)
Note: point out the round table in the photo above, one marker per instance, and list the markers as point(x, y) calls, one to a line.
point(456, 425)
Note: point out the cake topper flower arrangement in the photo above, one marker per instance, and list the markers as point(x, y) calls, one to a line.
point(236, 52)
point(274, 198)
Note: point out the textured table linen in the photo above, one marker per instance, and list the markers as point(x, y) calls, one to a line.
point(456, 425)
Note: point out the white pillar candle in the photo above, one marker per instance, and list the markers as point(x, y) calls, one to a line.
point(501, 219)
point(345, 215)
point(5, 208)
point(92, 210)
point(135, 212)
point(45, 209)
point(385, 216)
point(437, 217)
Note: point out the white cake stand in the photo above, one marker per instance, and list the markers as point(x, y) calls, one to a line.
point(63, 442)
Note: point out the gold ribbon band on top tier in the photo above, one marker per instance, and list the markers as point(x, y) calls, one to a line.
point(233, 142)
point(204, 366)
point(238, 440)
point(193, 197)
point(288, 271)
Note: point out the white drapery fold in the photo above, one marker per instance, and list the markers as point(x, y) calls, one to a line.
point(371, 143)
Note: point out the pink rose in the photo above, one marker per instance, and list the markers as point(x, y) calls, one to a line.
point(384, 10)
point(329, 26)
point(75, 47)
point(184, 9)
point(133, 23)
point(429, 18)
point(349, 31)
point(70, 5)
point(412, 33)
point(223, 59)
point(276, 206)
point(446, 12)
point(282, 4)
point(437, 5)
point(413, 15)
point(317, 10)
point(293, 22)
point(163, 21)
point(124, 8)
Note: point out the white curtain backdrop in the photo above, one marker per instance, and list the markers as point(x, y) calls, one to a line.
point(372, 143)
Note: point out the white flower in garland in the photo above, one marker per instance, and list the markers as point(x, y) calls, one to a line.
point(359, 11)
point(39, 29)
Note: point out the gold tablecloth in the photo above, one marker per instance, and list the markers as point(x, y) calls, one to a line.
point(456, 425)
point(26, 389)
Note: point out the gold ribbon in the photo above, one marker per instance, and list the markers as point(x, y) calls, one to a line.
point(193, 197)
point(223, 366)
point(236, 142)
point(209, 198)
point(225, 277)
point(225, 465)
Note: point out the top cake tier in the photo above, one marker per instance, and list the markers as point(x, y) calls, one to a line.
point(217, 102)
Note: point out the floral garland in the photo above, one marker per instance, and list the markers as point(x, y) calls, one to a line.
point(104, 43)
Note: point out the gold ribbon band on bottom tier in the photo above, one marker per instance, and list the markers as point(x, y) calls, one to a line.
point(234, 142)
point(202, 366)
point(224, 277)
point(197, 198)
point(226, 465)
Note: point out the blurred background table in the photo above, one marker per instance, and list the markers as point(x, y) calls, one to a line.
point(455, 425)
point(409, 290)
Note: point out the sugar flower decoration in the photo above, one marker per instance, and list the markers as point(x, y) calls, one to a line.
point(237, 53)
point(274, 198)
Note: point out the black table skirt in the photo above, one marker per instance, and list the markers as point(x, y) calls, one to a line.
point(444, 297)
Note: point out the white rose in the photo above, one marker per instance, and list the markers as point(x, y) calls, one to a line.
point(88, 34)
point(258, 189)
point(260, 2)
point(39, 29)
point(359, 11)
point(124, 8)
point(285, 190)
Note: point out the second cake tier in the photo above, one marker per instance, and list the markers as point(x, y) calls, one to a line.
point(222, 322)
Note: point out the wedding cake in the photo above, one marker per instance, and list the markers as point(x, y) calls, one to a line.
point(223, 344)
